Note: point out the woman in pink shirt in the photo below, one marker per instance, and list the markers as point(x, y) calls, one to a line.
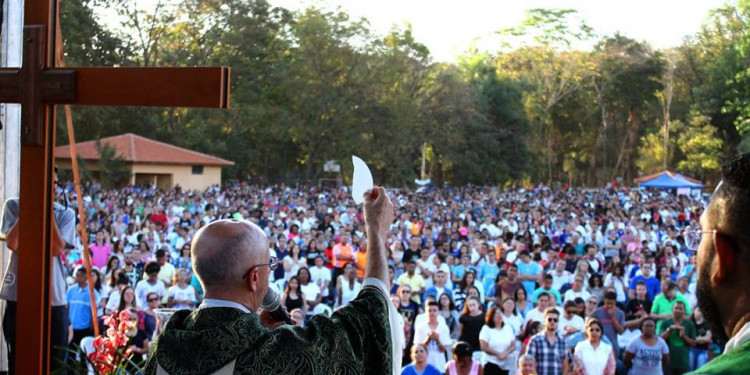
point(100, 250)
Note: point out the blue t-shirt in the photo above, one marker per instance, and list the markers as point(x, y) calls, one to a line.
point(530, 269)
point(652, 285)
point(488, 271)
point(647, 360)
point(459, 271)
point(429, 370)
point(79, 306)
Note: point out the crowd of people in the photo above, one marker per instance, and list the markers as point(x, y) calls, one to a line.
point(539, 281)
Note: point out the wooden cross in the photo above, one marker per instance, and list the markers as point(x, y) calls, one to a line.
point(38, 86)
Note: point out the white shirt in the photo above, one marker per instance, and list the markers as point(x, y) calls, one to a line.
point(422, 318)
point(594, 361)
point(210, 302)
point(498, 340)
point(319, 276)
point(182, 294)
point(143, 288)
point(535, 316)
point(435, 357)
point(311, 291)
point(575, 321)
point(559, 280)
point(571, 295)
point(741, 337)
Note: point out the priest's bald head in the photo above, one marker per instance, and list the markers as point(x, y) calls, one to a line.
point(231, 258)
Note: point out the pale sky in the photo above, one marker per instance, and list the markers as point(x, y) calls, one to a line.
point(447, 28)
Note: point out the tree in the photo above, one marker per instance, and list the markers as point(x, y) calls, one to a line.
point(698, 142)
point(548, 74)
point(113, 169)
point(651, 153)
point(627, 78)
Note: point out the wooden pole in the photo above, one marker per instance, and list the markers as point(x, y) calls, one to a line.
point(10, 137)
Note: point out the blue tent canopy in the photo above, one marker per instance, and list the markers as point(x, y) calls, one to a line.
point(666, 180)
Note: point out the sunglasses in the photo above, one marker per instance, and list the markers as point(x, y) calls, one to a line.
point(406, 291)
point(153, 299)
point(595, 330)
point(552, 320)
point(570, 312)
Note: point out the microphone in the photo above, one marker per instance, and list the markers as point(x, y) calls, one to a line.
point(272, 304)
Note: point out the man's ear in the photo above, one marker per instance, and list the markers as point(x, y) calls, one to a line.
point(726, 258)
point(252, 280)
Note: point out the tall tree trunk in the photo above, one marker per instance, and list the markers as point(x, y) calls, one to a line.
point(632, 124)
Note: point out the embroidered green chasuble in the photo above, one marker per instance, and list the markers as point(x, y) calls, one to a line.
point(354, 340)
point(735, 361)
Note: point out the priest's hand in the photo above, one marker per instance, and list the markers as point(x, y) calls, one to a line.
point(378, 211)
point(267, 320)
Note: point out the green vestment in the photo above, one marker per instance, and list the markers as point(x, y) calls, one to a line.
point(733, 362)
point(354, 340)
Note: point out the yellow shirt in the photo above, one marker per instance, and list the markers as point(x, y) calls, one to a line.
point(416, 283)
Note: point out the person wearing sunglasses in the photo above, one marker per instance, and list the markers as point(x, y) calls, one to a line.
point(229, 333)
point(570, 322)
point(593, 356)
point(548, 348)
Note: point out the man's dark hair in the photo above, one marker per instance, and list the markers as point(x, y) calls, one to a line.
point(161, 253)
point(152, 267)
point(641, 282)
point(542, 294)
point(548, 277)
point(612, 296)
point(433, 303)
point(551, 311)
point(731, 201)
point(123, 279)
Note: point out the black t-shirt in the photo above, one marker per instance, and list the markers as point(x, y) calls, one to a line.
point(410, 254)
point(292, 303)
point(139, 340)
point(472, 325)
point(312, 255)
point(409, 312)
point(701, 330)
point(635, 305)
point(185, 223)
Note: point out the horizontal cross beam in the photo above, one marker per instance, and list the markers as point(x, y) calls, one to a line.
point(153, 87)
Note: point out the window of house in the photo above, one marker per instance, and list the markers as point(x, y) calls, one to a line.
point(197, 169)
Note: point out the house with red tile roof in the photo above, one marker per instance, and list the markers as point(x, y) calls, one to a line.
point(151, 162)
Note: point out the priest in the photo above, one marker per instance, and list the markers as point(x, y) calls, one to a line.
point(226, 335)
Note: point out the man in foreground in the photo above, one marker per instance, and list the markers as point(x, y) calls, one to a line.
point(723, 260)
point(679, 334)
point(226, 335)
point(548, 348)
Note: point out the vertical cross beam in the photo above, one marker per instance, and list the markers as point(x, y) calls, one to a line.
point(37, 158)
point(34, 258)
